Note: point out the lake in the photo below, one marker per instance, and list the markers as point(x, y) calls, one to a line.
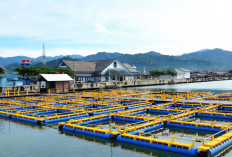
point(19, 139)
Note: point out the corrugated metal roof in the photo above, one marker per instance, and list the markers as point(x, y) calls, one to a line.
point(56, 77)
point(80, 66)
point(131, 69)
point(102, 64)
point(90, 66)
point(181, 70)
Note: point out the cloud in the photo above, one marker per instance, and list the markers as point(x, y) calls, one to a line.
point(170, 27)
point(104, 30)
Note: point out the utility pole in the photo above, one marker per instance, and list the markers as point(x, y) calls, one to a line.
point(44, 57)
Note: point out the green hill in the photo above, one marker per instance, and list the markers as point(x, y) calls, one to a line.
point(164, 62)
point(5, 61)
point(54, 63)
point(101, 56)
point(50, 64)
point(216, 59)
point(215, 55)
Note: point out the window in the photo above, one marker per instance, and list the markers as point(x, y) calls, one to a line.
point(115, 64)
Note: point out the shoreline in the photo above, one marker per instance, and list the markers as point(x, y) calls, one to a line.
point(113, 85)
point(140, 83)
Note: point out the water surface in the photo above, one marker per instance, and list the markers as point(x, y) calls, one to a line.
point(19, 139)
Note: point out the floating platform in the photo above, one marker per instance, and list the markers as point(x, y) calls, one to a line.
point(135, 117)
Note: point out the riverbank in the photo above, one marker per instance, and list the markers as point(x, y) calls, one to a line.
point(111, 85)
point(137, 83)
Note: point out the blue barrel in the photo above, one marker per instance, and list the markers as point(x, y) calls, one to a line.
point(26, 120)
point(214, 116)
point(98, 134)
point(192, 151)
point(96, 120)
point(147, 129)
point(220, 147)
point(204, 128)
point(65, 118)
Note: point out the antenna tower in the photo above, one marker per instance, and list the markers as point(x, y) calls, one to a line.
point(44, 57)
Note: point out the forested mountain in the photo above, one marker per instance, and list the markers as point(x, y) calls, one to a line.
point(216, 59)
point(50, 64)
point(5, 61)
point(101, 56)
point(55, 62)
point(162, 62)
point(215, 55)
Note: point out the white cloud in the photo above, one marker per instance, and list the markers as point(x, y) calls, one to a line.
point(102, 29)
point(170, 27)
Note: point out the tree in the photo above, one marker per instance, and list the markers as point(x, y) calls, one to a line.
point(171, 72)
point(230, 71)
point(2, 71)
point(66, 71)
point(27, 72)
point(22, 70)
point(157, 73)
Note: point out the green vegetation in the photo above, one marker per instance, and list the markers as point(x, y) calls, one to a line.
point(34, 71)
point(171, 72)
point(214, 55)
point(230, 71)
point(55, 62)
point(157, 73)
point(216, 59)
point(50, 64)
point(2, 71)
point(163, 62)
point(102, 56)
point(12, 67)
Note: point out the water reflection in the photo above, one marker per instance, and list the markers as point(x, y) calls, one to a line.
point(122, 145)
point(148, 151)
point(226, 152)
point(18, 138)
point(102, 141)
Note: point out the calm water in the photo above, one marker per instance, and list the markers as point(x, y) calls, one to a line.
point(18, 139)
point(214, 86)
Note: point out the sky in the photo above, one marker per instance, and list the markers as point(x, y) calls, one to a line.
point(84, 27)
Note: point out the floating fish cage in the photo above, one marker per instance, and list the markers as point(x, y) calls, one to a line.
point(181, 122)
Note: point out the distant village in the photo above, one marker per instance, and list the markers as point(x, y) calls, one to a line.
point(110, 70)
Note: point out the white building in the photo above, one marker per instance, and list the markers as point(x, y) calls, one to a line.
point(182, 73)
point(101, 70)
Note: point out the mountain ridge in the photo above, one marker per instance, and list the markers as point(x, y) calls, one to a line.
point(206, 59)
point(4, 61)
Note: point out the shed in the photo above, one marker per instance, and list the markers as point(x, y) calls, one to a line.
point(182, 73)
point(55, 82)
